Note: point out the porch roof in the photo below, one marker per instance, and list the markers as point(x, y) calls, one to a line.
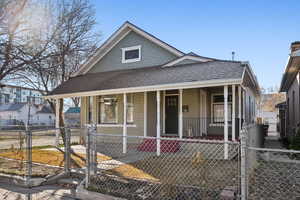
point(213, 71)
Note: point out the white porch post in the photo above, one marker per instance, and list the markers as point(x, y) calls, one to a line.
point(57, 119)
point(158, 123)
point(233, 114)
point(125, 123)
point(240, 109)
point(226, 122)
point(145, 114)
point(164, 112)
point(180, 115)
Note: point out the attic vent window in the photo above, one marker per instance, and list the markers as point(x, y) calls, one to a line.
point(131, 54)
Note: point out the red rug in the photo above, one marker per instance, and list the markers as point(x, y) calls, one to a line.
point(166, 146)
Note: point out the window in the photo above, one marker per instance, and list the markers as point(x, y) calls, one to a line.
point(130, 108)
point(108, 110)
point(218, 108)
point(131, 54)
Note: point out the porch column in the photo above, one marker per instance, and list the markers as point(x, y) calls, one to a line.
point(145, 114)
point(180, 128)
point(125, 123)
point(240, 108)
point(233, 114)
point(57, 119)
point(158, 123)
point(226, 122)
point(164, 112)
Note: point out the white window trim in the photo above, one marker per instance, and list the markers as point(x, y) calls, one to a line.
point(99, 109)
point(138, 47)
point(212, 110)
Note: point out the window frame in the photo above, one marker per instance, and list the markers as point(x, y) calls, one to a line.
point(220, 103)
point(100, 113)
point(137, 47)
point(131, 97)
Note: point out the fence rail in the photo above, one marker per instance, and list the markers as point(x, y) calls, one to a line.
point(183, 168)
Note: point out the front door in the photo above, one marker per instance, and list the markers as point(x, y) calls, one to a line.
point(171, 114)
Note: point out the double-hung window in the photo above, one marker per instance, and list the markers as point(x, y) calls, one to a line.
point(218, 108)
point(108, 110)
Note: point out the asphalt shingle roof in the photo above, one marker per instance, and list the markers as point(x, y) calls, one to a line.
point(150, 76)
point(11, 106)
point(73, 110)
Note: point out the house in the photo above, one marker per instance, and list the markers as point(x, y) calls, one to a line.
point(18, 94)
point(291, 86)
point(281, 107)
point(138, 85)
point(23, 113)
point(72, 116)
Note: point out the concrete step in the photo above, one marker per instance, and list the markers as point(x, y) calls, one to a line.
point(69, 181)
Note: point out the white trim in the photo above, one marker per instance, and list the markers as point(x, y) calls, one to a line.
point(172, 86)
point(186, 57)
point(158, 123)
point(212, 104)
point(180, 116)
point(122, 32)
point(145, 114)
point(138, 47)
point(233, 113)
point(240, 108)
point(124, 123)
point(116, 125)
point(226, 121)
point(98, 56)
point(164, 112)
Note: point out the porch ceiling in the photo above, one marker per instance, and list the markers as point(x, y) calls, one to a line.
point(151, 78)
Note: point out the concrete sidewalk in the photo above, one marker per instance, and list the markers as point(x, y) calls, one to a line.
point(50, 192)
point(272, 141)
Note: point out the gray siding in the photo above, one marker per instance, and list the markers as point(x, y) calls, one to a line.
point(293, 116)
point(151, 55)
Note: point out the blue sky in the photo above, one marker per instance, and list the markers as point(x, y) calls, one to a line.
point(258, 31)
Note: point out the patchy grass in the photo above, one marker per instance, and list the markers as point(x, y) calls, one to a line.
point(182, 171)
point(49, 157)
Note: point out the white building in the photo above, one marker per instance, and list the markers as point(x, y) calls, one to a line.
point(17, 94)
point(23, 113)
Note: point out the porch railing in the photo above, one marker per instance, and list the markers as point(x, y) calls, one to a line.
point(205, 126)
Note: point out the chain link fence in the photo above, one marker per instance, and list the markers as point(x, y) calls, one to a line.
point(270, 174)
point(39, 152)
point(134, 167)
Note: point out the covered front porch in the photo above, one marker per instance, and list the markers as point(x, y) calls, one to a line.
point(208, 113)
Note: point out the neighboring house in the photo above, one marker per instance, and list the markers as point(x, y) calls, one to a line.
point(161, 90)
point(23, 113)
point(281, 107)
point(290, 84)
point(269, 111)
point(17, 94)
point(72, 116)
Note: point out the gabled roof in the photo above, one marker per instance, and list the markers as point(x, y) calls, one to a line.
point(153, 77)
point(116, 37)
point(73, 110)
point(11, 106)
point(189, 56)
point(45, 110)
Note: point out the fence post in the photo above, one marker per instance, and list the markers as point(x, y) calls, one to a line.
point(28, 136)
point(67, 150)
point(88, 156)
point(93, 149)
point(243, 165)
